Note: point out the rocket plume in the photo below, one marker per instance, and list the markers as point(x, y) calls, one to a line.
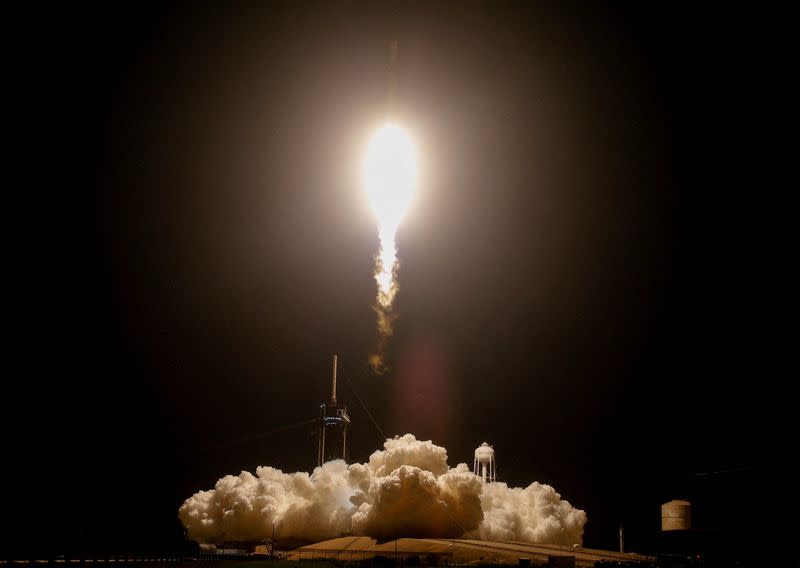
point(406, 489)
point(390, 180)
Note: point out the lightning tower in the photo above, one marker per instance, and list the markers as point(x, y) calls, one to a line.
point(332, 428)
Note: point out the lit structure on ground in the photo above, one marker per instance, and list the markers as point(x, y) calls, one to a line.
point(485, 465)
point(332, 428)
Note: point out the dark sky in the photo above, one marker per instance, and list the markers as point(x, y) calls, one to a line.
point(588, 276)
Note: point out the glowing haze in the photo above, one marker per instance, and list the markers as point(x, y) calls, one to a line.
point(407, 489)
point(390, 182)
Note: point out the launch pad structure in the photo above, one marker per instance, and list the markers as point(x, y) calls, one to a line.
point(463, 552)
point(332, 426)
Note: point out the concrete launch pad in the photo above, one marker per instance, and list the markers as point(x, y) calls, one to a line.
point(457, 551)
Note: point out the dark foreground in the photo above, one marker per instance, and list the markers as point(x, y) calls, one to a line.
point(376, 562)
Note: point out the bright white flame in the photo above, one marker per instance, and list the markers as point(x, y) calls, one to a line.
point(390, 175)
point(390, 180)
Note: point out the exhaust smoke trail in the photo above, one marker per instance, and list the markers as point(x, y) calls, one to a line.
point(390, 181)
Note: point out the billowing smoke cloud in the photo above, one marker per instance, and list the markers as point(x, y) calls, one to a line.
point(406, 489)
point(534, 514)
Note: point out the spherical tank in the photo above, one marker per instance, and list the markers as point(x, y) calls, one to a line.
point(484, 453)
point(676, 515)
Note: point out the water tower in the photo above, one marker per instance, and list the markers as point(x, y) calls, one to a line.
point(676, 515)
point(485, 464)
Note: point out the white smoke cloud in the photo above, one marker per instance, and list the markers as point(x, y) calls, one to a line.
point(534, 514)
point(406, 490)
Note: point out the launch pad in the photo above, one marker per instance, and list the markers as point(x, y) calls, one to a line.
point(460, 551)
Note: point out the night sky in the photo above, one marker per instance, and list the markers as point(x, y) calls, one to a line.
point(588, 275)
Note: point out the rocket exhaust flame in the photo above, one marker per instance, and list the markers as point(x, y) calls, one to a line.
point(390, 181)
